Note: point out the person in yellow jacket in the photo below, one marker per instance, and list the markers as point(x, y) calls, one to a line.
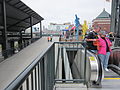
point(84, 29)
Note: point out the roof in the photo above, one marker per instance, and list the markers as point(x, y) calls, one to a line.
point(104, 14)
point(18, 15)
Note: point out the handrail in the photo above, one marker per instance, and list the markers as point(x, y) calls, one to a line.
point(72, 42)
point(23, 75)
point(115, 68)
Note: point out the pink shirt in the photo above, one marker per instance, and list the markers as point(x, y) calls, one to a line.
point(102, 45)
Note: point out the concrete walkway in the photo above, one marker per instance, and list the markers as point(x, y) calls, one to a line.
point(111, 81)
point(13, 66)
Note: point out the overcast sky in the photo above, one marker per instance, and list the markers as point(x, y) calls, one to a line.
point(61, 11)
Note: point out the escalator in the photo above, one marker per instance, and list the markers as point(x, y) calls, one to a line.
point(93, 71)
point(80, 64)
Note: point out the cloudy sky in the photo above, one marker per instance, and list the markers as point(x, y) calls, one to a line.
point(61, 11)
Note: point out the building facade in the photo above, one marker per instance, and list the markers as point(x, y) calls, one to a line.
point(103, 20)
point(58, 27)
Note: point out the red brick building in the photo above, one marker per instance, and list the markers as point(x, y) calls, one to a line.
point(103, 20)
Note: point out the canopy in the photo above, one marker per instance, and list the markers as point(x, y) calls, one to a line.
point(18, 15)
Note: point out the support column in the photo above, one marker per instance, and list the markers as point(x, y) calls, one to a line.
point(31, 24)
point(116, 20)
point(20, 41)
point(119, 23)
point(40, 29)
point(12, 47)
point(113, 17)
point(119, 19)
point(24, 43)
point(4, 31)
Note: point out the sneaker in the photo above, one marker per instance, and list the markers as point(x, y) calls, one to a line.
point(106, 69)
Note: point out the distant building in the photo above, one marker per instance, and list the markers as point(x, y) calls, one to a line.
point(35, 30)
point(58, 27)
point(103, 20)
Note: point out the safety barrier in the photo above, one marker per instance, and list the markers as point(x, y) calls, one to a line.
point(67, 53)
point(39, 75)
point(62, 62)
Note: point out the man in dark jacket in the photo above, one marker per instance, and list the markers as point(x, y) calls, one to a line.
point(91, 37)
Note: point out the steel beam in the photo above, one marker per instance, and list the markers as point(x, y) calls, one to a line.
point(115, 20)
point(20, 41)
point(16, 3)
point(18, 22)
point(40, 29)
point(31, 24)
point(4, 31)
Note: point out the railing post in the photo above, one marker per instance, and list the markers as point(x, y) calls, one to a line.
point(40, 29)
point(39, 76)
point(49, 69)
point(85, 63)
point(53, 66)
point(42, 72)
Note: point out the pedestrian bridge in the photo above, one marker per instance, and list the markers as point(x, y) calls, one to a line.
point(56, 65)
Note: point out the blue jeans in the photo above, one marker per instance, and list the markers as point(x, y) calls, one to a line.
point(104, 59)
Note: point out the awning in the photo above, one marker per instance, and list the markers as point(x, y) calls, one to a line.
point(18, 15)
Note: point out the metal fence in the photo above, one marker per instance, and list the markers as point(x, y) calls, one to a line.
point(66, 69)
point(116, 42)
point(39, 75)
point(45, 70)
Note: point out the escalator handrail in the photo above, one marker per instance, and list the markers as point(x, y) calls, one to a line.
point(115, 68)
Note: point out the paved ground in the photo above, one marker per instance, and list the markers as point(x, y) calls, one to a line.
point(111, 82)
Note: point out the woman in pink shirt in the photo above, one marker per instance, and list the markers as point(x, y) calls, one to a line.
point(104, 49)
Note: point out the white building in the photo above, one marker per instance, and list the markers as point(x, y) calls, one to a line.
point(58, 27)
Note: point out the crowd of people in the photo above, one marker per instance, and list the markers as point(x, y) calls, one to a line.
point(99, 43)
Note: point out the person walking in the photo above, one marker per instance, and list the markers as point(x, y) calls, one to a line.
point(91, 38)
point(49, 38)
point(104, 49)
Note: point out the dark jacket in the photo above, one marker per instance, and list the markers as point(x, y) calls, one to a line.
point(91, 35)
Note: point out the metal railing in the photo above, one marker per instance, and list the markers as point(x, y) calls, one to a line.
point(39, 75)
point(44, 71)
point(116, 42)
point(68, 52)
point(115, 68)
